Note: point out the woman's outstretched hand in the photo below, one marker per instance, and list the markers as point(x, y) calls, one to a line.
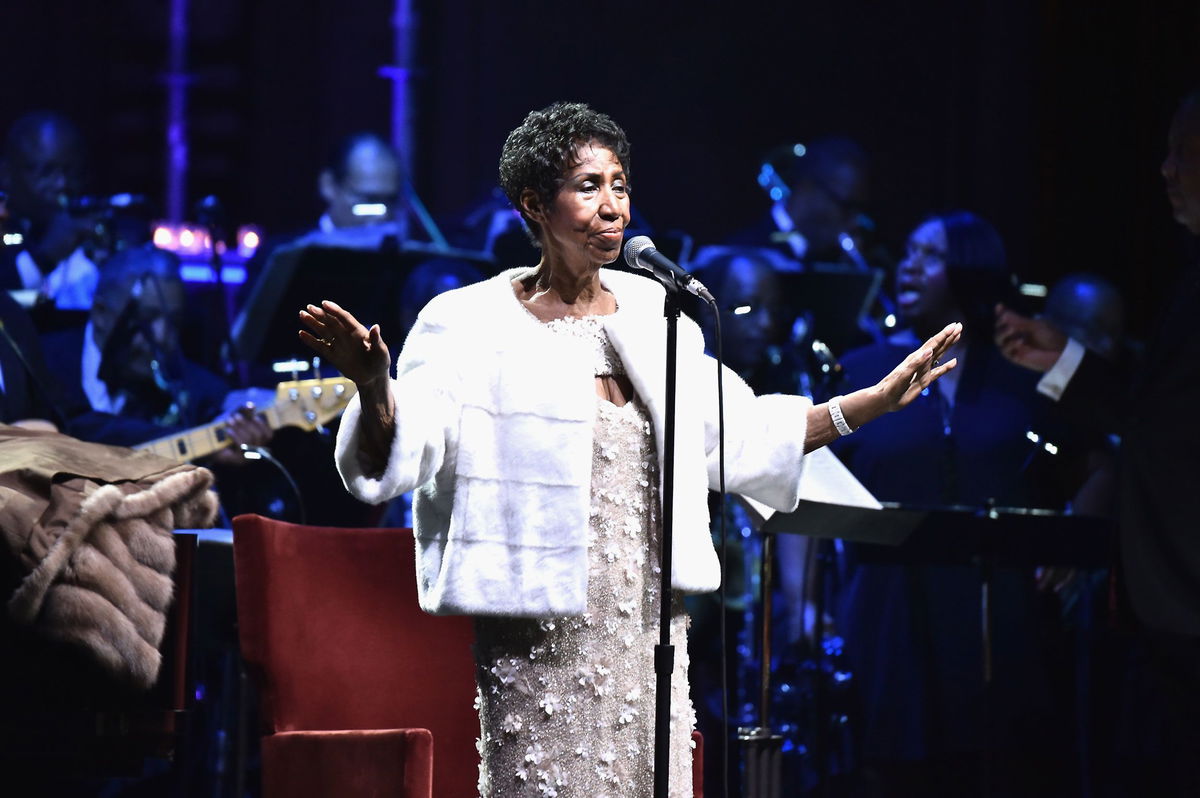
point(334, 334)
point(898, 389)
point(920, 369)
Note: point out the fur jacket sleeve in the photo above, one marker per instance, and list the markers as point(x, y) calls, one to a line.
point(494, 418)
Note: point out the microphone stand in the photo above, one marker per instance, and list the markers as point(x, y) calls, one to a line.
point(664, 652)
point(211, 214)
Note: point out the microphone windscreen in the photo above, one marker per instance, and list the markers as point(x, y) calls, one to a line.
point(634, 247)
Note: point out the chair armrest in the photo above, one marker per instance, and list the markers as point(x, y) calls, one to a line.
point(350, 763)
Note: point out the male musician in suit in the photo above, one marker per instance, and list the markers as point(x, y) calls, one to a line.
point(360, 186)
point(818, 192)
point(42, 168)
point(1153, 407)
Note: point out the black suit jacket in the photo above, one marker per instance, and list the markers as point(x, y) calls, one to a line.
point(10, 278)
point(30, 391)
point(1154, 406)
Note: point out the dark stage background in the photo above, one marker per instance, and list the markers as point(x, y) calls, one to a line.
point(1048, 118)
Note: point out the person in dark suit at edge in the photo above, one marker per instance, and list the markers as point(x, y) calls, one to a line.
point(1152, 405)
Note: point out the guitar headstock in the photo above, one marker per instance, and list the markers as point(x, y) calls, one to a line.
point(308, 404)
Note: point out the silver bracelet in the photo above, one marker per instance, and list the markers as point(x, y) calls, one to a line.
point(835, 413)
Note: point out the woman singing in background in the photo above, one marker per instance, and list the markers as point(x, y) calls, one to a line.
point(527, 413)
point(912, 630)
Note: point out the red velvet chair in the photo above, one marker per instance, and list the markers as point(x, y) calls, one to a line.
point(359, 686)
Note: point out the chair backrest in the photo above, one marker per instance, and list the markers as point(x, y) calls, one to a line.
point(330, 627)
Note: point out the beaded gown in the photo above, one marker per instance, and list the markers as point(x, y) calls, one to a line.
point(566, 705)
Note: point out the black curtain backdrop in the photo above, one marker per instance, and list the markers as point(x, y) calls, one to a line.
point(1048, 118)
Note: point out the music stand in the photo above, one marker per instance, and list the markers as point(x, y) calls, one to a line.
point(824, 483)
point(836, 298)
point(986, 537)
point(366, 280)
point(955, 535)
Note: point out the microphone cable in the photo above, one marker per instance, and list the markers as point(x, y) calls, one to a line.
point(263, 453)
point(722, 593)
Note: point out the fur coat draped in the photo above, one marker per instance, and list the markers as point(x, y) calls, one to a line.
point(89, 529)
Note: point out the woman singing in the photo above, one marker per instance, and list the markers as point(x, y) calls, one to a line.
point(527, 415)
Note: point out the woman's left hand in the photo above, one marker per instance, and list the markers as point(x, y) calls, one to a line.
point(920, 369)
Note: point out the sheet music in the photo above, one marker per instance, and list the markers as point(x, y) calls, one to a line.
point(824, 479)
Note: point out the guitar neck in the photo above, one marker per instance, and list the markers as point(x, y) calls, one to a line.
point(201, 441)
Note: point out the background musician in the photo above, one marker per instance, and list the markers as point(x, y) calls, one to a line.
point(126, 364)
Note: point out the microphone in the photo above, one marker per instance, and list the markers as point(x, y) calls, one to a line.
point(641, 254)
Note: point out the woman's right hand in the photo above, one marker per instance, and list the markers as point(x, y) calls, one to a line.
point(359, 353)
point(362, 356)
point(919, 370)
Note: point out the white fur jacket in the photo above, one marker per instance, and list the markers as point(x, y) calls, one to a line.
point(494, 417)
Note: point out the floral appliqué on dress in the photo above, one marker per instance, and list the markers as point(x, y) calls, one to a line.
point(567, 704)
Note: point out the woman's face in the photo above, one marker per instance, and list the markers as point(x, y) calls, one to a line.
point(922, 284)
point(586, 222)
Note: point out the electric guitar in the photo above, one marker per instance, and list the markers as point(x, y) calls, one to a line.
point(307, 404)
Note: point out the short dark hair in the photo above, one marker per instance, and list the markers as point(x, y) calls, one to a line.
point(427, 280)
point(120, 272)
point(713, 266)
point(338, 159)
point(1089, 308)
point(818, 161)
point(538, 153)
point(31, 124)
